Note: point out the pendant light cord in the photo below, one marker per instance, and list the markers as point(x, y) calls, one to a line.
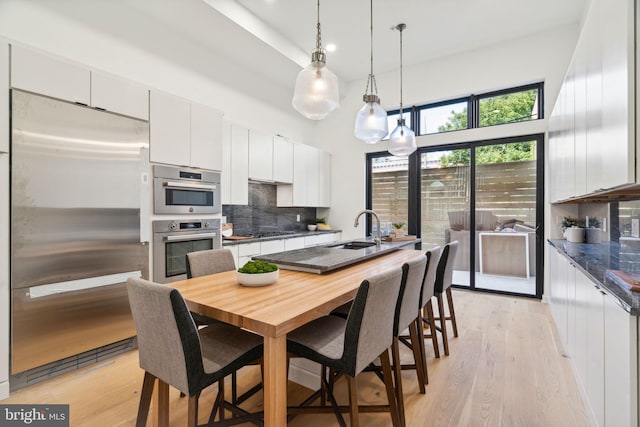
point(371, 80)
point(401, 27)
point(318, 37)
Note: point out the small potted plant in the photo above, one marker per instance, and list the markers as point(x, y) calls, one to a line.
point(398, 228)
point(572, 230)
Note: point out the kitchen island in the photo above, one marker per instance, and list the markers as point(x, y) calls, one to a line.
point(326, 258)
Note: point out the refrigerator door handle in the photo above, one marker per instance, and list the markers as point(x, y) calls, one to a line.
point(81, 284)
point(173, 184)
point(198, 236)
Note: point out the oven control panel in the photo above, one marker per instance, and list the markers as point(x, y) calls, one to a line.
point(166, 226)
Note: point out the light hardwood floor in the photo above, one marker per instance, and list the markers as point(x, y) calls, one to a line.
point(505, 369)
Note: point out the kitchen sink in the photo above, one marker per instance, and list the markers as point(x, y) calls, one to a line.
point(354, 245)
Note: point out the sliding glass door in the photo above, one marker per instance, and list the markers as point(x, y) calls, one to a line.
point(486, 196)
point(445, 204)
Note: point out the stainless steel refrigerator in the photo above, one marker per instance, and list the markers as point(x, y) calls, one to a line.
point(78, 176)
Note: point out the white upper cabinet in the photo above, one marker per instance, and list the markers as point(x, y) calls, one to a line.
point(206, 137)
point(618, 92)
point(592, 138)
point(270, 158)
point(282, 160)
point(119, 95)
point(311, 179)
point(169, 129)
point(184, 134)
point(324, 179)
point(235, 164)
point(4, 96)
point(260, 156)
point(48, 75)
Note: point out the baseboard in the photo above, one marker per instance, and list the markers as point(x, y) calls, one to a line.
point(4, 390)
point(305, 373)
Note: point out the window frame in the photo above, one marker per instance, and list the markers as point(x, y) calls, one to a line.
point(473, 107)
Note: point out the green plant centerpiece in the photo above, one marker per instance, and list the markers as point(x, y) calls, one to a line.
point(319, 221)
point(258, 273)
point(257, 267)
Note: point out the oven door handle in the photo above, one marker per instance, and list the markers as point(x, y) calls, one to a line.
point(174, 184)
point(198, 236)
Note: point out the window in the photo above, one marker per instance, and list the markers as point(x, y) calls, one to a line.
point(511, 105)
point(389, 195)
point(443, 117)
point(508, 107)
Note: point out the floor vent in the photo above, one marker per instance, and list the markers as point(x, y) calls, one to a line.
point(72, 363)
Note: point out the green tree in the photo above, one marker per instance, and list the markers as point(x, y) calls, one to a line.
point(501, 109)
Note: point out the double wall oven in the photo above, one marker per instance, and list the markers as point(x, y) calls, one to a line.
point(185, 193)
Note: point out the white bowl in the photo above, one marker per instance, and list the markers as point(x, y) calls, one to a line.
point(259, 279)
point(311, 227)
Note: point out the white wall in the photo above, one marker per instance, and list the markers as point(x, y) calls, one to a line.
point(544, 57)
point(154, 56)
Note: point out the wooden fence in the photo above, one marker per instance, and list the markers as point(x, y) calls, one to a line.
point(508, 190)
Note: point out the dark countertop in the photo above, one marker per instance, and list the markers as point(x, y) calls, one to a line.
point(594, 259)
point(301, 233)
point(326, 258)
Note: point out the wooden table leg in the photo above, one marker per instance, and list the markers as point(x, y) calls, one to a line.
point(275, 381)
point(161, 403)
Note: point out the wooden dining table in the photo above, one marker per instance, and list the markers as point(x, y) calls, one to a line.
point(273, 311)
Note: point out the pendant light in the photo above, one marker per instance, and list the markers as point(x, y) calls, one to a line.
point(371, 121)
point(316, 91)
point(402, 140)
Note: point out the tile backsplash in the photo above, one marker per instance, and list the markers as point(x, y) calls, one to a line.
point(262, 213)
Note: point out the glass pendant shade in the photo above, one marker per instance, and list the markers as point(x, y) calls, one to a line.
point(371, 123)
point(316, 91)
point(402, 141)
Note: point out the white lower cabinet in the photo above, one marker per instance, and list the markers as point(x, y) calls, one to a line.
point(621, 365)
point(294, 243)
point(601, 338)
point(271, 246)
point(595, 349)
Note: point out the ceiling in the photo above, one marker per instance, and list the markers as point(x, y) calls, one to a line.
point(434, 27)
point(263, 44)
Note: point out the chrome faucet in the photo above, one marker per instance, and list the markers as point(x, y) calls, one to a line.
point(378, 237)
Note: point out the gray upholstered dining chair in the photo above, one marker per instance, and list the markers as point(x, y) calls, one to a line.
point(348, 346)
point(203, 263)
point(212, 261)
point(426, 306)
point(172, 349)
point(444, 279)
point(407, 313)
